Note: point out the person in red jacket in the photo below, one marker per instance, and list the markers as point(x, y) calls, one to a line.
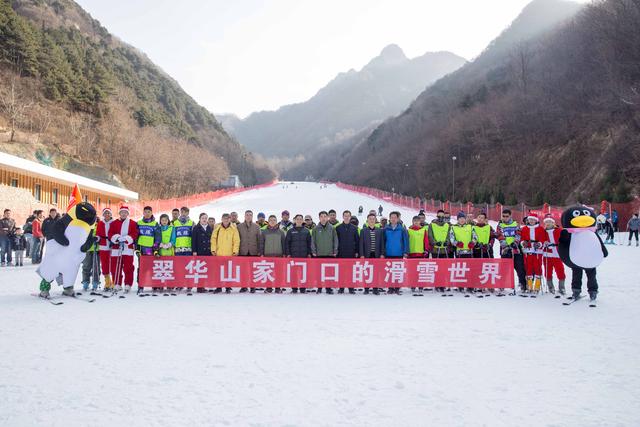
point(551, 259)
point(532, 238)
point(123, 233)
point(104, 247)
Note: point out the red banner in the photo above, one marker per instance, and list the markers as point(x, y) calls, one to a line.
point(251, 272)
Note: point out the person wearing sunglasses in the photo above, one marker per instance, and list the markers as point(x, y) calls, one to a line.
point(508, 232)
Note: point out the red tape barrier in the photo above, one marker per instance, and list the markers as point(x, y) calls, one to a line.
point(213, 272)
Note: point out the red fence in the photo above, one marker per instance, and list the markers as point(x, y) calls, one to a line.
point(215, 272)
point(166, 205)
point(493, 211)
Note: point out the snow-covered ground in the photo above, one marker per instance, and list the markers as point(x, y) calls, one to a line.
point(330, 360)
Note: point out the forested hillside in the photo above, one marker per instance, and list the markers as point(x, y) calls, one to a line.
point(549, 112)
point(73, 93)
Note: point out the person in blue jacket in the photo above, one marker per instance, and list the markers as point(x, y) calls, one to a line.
point(396, 241)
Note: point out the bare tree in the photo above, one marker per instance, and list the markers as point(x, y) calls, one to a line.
point(13, 106)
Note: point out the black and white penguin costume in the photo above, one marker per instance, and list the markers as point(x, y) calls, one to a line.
point(72, 237)
point(580, 247)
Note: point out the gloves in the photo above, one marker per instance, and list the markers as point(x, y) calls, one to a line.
point(460, 245)
point(537, 245)
point(525, 244)
point(128, 240)
point(156, 254)
point(115, 238)
point(471, 245)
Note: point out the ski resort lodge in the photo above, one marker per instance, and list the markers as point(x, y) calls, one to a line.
point(26, 185)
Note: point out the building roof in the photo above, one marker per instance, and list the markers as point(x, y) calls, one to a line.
point(21, 165)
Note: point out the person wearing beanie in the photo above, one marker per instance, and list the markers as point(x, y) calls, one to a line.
point(550, 258)
point(285, 224)
point(123, 234)
point(533, 237)
point(104, 247)
point(262, 221)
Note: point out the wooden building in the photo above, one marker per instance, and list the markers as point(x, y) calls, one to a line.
point(51, 186)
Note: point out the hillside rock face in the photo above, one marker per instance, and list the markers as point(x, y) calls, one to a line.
point(550, 111)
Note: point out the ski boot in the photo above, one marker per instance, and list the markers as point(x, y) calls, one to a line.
point(529, 283)
point(366, 291)
point(537, 284)
point(278, 290)
point(243, 290)
point(330, 291)
point(127, 288)
point(85, 286)
point(108, 285)
point(45, 287)
point(593, 295)
point(68, 291)
point(552, 289)
point(576, 294)
point(118, 288)
point(294, 290)
point(303, 290)
point(561, 287)
point(376, 291)
point(341, 291)
point(268, 290)
point(95, 287)
point(253, 290)
point(352, 291)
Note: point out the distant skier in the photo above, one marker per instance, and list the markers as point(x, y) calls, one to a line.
point(380, 209)
point(360, 210)
point(633, 226)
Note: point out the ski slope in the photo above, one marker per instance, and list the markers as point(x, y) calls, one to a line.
point(320, 360)
point(306, 198)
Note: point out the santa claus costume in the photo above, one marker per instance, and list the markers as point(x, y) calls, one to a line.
point(123, 233)
point(104, 246)
point(551, 259)
point(532, 238)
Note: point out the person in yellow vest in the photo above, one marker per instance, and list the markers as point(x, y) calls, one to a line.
point(438, 235)
point(484, 237)
point(148, 237)
point(461, 238)
point(225, 241)
point(418, 242)
point(184, 230)
point(167, 241)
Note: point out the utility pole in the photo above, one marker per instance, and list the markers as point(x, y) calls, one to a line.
point(453, 178)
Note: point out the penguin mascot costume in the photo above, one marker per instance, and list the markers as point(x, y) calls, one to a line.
point(580, 248)
point(73, 235)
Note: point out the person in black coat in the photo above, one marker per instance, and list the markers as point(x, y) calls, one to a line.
point(297, 244)
point(348, 241)
point(372, 243)
point(201, 237)
point(47, 224)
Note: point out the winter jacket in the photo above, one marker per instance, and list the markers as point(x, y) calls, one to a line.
point(148, 234)
point(201, 240)
point(249, 239)
point(285, 226)
point(532, 238)
point(324, 240)
point(272, 241)
point(348, 240)
point(18, 243)
point(509, 235)
point(310, 227)
point(298, 242)
point(102, 232)
point(7, 226)
point(225, 241)
point(634, 224)
point(36, 230)
point(47, 226)
point(366, 248)
point(125, 233)
point(396, 241)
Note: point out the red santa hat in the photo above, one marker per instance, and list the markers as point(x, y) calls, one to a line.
point(549, 218)
point(533, 216)
point(123, 208)
point(105, 210)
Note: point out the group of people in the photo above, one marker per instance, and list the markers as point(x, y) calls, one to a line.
point(26, 241)
point(531, 245)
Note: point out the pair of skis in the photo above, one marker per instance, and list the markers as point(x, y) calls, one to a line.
point(57, 299)
point(572, 300)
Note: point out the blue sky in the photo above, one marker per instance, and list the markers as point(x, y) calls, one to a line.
point(248, 55)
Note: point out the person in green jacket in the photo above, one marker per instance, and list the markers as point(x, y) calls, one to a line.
point(324, 241)
point(272, 243)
